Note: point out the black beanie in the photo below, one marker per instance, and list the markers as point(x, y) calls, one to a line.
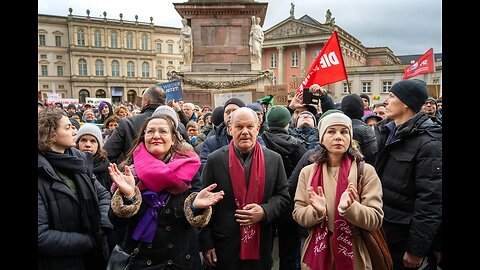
point(235, 101)
point(278, 116)
point(205, 116)
point(217, 116)
point(352, 106)
point(412, 93)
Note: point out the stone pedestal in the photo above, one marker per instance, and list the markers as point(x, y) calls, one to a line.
point(221, 53)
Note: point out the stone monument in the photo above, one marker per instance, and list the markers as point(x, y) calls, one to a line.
point(222, 58)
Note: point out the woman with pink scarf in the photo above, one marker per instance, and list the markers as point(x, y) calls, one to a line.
point(157, 191)
point(329, 204)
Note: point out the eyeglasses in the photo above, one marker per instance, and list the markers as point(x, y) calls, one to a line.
point(149, 132)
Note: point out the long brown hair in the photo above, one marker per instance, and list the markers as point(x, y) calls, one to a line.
point(178, 146)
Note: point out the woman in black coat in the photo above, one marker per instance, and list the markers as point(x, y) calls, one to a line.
point(72, 204)
point(160, 179)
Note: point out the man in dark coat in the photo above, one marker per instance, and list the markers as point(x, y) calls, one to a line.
point(409, 164)
point(239, 235)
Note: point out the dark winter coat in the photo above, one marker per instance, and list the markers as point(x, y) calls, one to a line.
point(174, 245)
point(62, 244)
point(365, 136)
point(223, 232)
point(410, 169)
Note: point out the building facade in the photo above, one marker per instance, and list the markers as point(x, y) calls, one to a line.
point(291, 46)
point(83, 56)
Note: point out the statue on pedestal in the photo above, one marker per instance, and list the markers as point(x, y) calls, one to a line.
point(186, 45)
point(256, 40)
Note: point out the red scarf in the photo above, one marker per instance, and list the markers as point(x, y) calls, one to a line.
point(174, 176)
point(317, 256)
point(250, 235)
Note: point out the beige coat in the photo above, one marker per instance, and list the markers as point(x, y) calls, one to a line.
point(368, 214)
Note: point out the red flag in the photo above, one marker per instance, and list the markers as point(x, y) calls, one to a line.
point(423, 65)
point(328, 67)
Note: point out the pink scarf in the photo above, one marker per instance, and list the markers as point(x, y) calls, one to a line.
point(250, 235)
point(317, 256)
point(174, 176)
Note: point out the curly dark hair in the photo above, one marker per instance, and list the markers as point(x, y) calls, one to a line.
point(48, 123)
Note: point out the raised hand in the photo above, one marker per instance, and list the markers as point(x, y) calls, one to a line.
point(297, 101)
point(125, 182)
point(347, 198)
point(317, 200)
point(206, 197)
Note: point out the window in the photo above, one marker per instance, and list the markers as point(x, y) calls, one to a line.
point(43, 56)
point(273, 60)
point(41, 40)
point(170, 48)
point(274, 80)
point(115, 68)
point(44, 70)
point(82, 67)
point(170, 62)
point(294, 61)
point(130, 69)
point(145, 70)
point(98, 38)
point(80, 37)
point(386, 87)
point(59, 71)
point(82, 95)
point(315, 54)
point(129, 41)
point(58, 41)
point(366, 87)
point(345, 88)
point(159, 62)
point(159, 74)
point(45, 86)
point(99, 68)
point(144, 42)
point(180, 63)
point(59, 57)
point(158, 47)
point(114, 40)
point(61, 86)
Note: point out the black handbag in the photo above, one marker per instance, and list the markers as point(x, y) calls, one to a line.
point(120, 260)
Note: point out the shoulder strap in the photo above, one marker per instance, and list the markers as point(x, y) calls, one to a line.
point(360, 171)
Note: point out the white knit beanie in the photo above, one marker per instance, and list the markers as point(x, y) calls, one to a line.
point(331, 119)
point(90, 129)
point(168, 111)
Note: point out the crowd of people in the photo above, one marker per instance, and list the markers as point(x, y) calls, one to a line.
point(181, 186)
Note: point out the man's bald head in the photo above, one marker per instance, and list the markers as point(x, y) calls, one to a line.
point(153, 95)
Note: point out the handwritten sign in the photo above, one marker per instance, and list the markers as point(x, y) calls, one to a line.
point(279, 92)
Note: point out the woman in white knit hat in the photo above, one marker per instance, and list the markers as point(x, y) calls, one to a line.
point(327, 200)
point(89, 139)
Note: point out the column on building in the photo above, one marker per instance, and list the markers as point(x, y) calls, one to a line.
point(303, 59)
point(280, 65)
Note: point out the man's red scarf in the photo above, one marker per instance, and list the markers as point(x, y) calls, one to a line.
point(317, 256)
point(250, 235)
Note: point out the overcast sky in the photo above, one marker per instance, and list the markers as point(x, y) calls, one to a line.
point(405, 26)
